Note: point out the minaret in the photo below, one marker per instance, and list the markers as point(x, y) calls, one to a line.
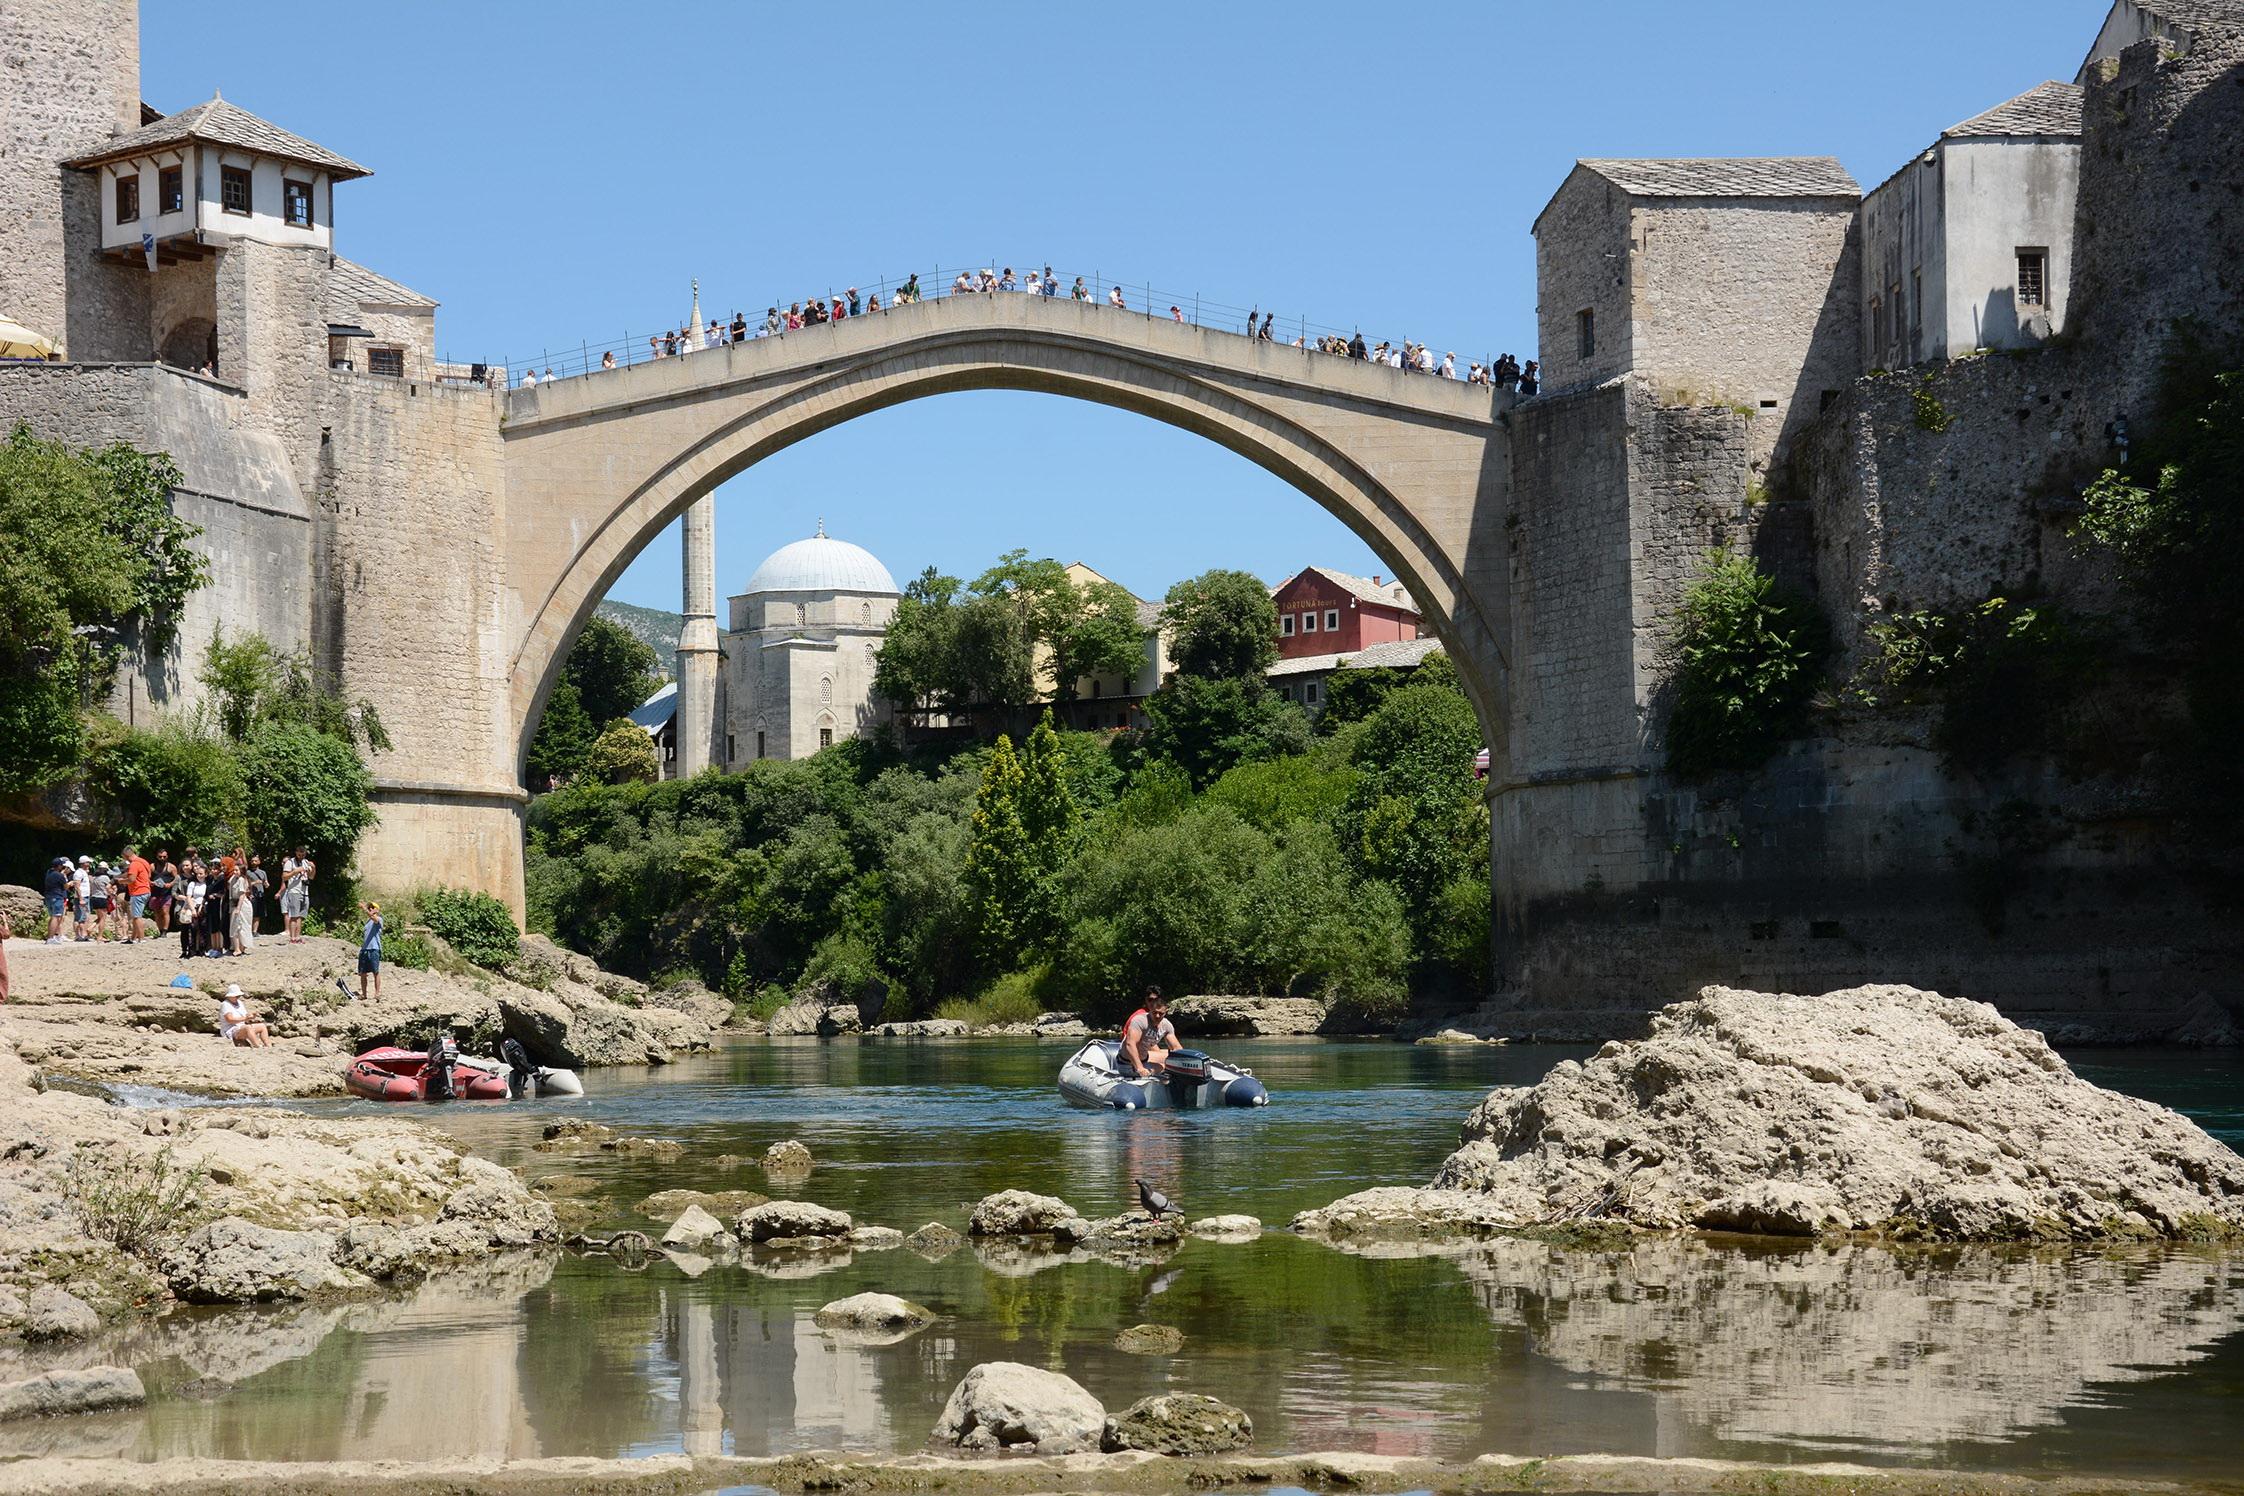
point(697, 640)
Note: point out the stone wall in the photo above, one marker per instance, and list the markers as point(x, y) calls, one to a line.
point(235, 482)
point(1747, 302)
point(69, 79)
point(411, 490)
point(1582, 263)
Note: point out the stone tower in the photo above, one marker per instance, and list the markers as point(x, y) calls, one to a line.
point(69, 79)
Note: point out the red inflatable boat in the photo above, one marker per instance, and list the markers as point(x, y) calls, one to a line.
point(391, 1074)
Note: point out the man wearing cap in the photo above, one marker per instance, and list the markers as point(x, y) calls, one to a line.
point(234, 1025)
point(58, 897)
point(81, 897)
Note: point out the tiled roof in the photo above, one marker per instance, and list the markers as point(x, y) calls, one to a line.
point(1385, 594)
point(220, 123)
point(1395, 654)
point(351, 286)
point(2049, 109)
point(1730, 176)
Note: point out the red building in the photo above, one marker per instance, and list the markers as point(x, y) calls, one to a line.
point(1322, 611)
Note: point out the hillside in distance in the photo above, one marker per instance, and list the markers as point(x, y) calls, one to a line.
point(650, 626)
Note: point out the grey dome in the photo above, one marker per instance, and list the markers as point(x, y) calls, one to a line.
point(822, 564)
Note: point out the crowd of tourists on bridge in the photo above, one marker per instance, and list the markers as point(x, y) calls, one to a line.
point(1505, 373)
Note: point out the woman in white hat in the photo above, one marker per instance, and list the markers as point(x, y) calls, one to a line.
point(235, 1025)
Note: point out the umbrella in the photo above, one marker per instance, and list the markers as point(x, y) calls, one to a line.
point(19, 341)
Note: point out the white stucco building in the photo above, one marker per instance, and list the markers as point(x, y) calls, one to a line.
point(799, 650)
point(1970, 245)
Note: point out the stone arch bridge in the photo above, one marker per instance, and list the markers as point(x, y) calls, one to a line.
point(457, 624)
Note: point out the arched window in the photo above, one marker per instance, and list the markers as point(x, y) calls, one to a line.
point(826, 690)
point(864, 612)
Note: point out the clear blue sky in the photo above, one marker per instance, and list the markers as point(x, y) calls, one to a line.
point(561, 170)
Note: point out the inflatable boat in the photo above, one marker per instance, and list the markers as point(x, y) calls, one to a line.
point(1096, 1076)
point(393, 1074)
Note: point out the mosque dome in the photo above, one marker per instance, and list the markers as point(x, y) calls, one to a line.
point(822, 564)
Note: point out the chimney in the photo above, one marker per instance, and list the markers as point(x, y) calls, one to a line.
point(1375, 579)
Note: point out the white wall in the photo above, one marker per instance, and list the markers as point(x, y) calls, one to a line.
point(1904, 243)
point(149, 171)
point(2001, 196)
point(264, 221)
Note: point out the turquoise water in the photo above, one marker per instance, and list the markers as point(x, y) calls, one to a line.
point(2111, 1362)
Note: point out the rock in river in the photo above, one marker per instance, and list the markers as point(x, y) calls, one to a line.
point(1179, 1423)
point(794, 1221)
point(1227, 1228)
point(877, 1312)
point(1875, 1108)
point(1005, 1405)
point(1150, 1340)
point(233, 1261)
point(86, 1391)
point(934, 1240)
point(789, 1157)
point(694, 1230)
point(1020, 1213)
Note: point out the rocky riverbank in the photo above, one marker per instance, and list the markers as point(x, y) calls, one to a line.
point(106, 1211)
point(108, 1013)
point(1875, 1109)
point(1011, 1475)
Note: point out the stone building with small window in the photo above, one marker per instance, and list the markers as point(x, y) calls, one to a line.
point(1969, 245)
point(799, 651)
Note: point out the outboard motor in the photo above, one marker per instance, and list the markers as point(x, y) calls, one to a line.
point(436, 1073)
point(520, 1073)
point(1187, 1072)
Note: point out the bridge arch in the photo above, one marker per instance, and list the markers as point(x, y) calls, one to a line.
point(597, 466)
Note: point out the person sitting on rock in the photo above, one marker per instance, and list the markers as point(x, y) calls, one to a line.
point(1147, 1035)
point(235, 1025)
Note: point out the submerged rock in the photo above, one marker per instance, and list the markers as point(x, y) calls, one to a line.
point(934, 1240)
point(1179, 1423)
point(1005, 1405)
point(573, 1136)
point(875, 1239)
point(1150, 1340)
point(87, 1391)
point(1021, 1213)
point(1226, 1228)
point(668, 1205)
point(1871, 1109)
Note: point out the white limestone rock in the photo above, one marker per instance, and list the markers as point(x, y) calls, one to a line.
point(233, 1261)
point(1874, 1108)
point(1217, 1016)
point(784, 1221)
point(789, 1158)
point(1226, 1228)
point(1022, 1213)
point(85, 1391)
point(1005, 1405)
point(874, 1313)
point(1179, 1423)
point(694, 1230)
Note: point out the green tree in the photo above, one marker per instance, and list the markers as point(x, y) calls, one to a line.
point(304, 788)
point(238, 676)
point(1001, 861)
point(1100, 635)
point(563, 741)
point(1051, 821)
point(613, 670)
point(1747, 656)
point(94, 562)
point(912, 671)
point(174, 784)
point(1207, 725)
point(622, 754)
point(1221, 624)
point(1415, 820)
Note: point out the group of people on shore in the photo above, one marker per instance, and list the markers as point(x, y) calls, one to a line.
point(820, 310)
point(215, 904)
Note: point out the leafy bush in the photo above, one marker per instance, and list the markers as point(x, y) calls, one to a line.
point(622, 754)
point(1012, 998)
point(304, 788)
point(2005, 675)
point(137, 1205)
point(1207, 725)
point(409, 951)
point(1274, 792)
point(476, 925)
point(172, 786)
point(1747, 657)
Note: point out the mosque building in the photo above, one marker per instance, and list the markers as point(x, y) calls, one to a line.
point(798, 651)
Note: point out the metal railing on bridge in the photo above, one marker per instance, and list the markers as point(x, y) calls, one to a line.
point(1135, 298)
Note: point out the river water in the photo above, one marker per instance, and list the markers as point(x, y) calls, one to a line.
point(2119, 1362)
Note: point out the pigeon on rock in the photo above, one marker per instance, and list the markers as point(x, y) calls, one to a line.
point(1156, 1204)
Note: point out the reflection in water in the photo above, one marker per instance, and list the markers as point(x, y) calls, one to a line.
point(1861, 1347)
point(2101, 1361)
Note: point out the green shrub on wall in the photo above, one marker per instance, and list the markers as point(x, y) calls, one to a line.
point(1747, 656)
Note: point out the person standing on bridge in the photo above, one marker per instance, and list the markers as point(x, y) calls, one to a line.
point(853, 301)
point(1114, 299)
point(872, 303)
point(1081, 292)
point(739, 328)
point(1051, 282)
point(1176, 313)
point(1268, 318)
point(1356, 345)
point(1005, 282)
point(608, 359)
point(1528, 380)
point(1449, 365)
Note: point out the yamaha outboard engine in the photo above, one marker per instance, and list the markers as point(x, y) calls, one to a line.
point(1186, 1071)
point(520, 1073)
point(436, 1073)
